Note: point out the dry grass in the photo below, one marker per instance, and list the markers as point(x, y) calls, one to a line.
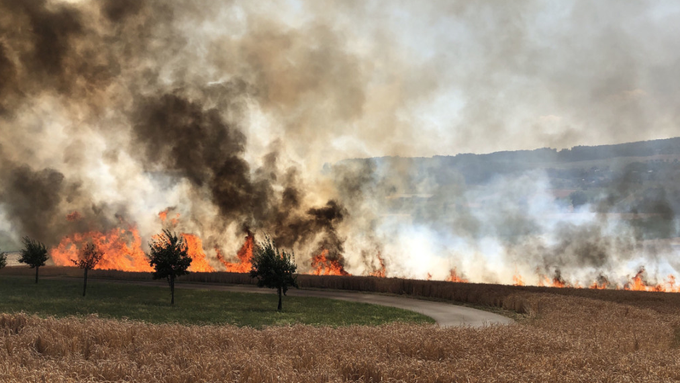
point(562, 339)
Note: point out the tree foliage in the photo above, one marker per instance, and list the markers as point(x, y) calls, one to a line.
point(273, 268)
point(169, 258)
point(3, 259)
point(88, 257)
point(33, 254)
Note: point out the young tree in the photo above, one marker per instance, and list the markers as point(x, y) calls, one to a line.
point(88, 257)
point(274, 269)
point(3, 259)
point(33, 254)
point(169, 258)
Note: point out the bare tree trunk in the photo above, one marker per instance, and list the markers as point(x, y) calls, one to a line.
point(280, 305)
point(85, 282)
point(36, 273)
point(172, 289)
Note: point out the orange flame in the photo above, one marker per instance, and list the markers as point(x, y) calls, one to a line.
point(598, 286)
point(122, 248)
point(195, 251)
point(380, 273)
point(164, 217)
point(454, 277)
point(517, 280)
point(559, 283)
point(244, 255)
point(75, 216)
point(322, 265)
point(636, 283)
point(671, 283)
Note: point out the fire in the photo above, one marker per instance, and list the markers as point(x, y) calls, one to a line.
point(558, 283)
point(195, 250)
point(517, 280)
point(322, 265)
point(598, 286)
point(671, 283)
point(75, 216)
point(636, 283)
point(164, 217)
point(454, 277)
point(244, 255)
point(122, 249)
point(380, 272)
point(194, 244)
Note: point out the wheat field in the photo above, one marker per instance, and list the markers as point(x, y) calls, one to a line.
point(559, 339)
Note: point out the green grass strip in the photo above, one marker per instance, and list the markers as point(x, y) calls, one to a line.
point(62, 298)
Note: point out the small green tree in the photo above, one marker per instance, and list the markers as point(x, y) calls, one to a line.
point(3, 259)
point(274, 269)
point(88, 257)
point(33, 254)
point(169, 258)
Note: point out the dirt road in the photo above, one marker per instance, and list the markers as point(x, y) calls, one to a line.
point(445, 314)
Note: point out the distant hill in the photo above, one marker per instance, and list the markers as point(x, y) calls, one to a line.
point(639, 181)
point(479, 168)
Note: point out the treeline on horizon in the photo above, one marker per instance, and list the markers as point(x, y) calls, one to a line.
point(666, 146)
point(628, 158)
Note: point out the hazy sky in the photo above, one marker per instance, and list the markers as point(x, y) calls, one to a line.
point(495, 75)
point(444, 77)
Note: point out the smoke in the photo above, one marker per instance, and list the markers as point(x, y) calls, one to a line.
point(242, 117)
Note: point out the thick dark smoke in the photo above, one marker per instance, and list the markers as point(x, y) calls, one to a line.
point(117, 10)
point(32, 198)
point(178, 136)
point(182, 139)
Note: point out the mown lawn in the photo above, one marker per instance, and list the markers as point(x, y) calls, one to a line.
point(62, 298)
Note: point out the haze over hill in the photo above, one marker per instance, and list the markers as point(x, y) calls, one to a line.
point(582, 213)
